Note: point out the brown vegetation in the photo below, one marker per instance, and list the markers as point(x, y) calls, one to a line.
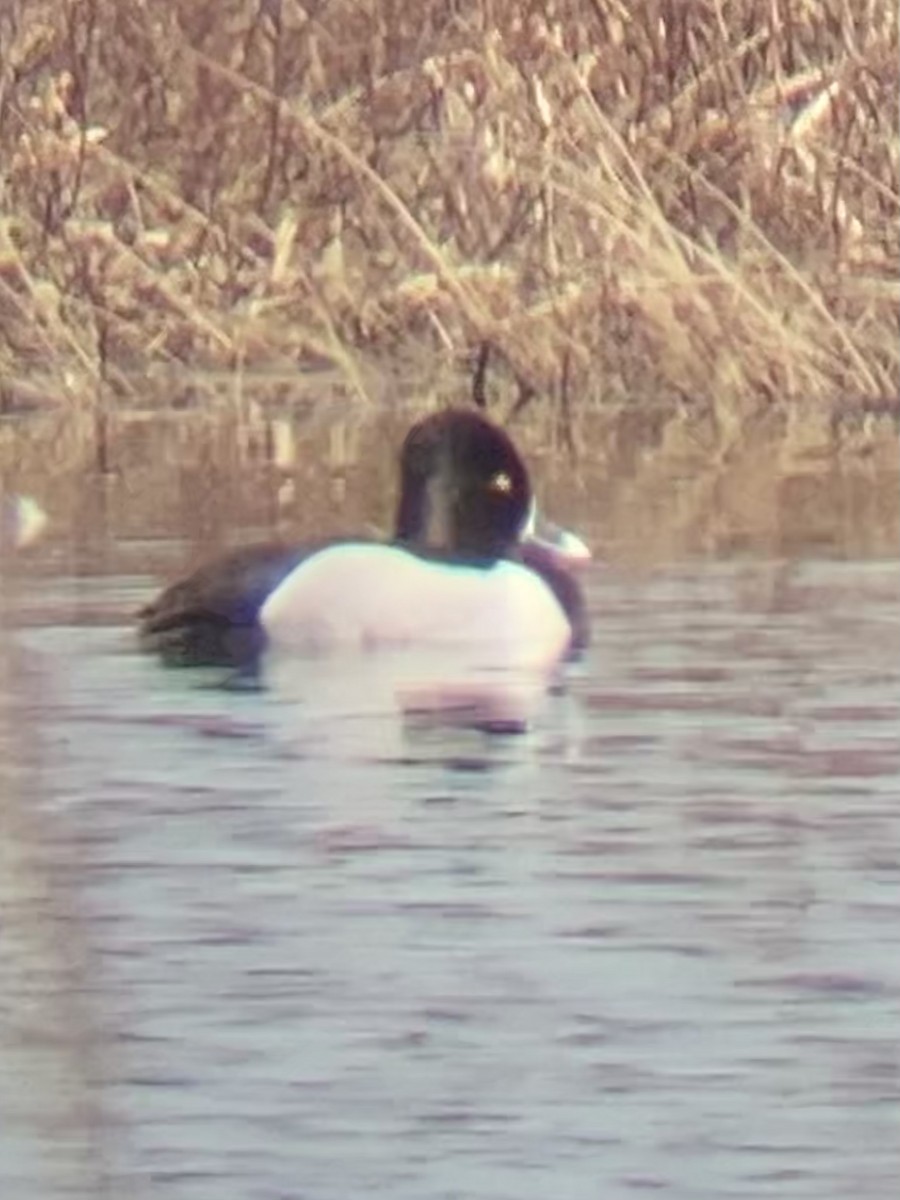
point(667, 200)
point(624, 211)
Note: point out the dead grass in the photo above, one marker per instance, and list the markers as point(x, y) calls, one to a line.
point(686, 205)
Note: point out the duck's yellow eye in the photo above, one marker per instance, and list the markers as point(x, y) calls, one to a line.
point(501, 482)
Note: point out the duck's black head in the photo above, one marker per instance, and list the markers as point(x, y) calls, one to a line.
point(464, 488)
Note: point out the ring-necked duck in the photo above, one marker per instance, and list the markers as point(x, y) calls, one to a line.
point(465, 563)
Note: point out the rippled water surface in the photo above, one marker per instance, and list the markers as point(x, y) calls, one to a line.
point(650, 947)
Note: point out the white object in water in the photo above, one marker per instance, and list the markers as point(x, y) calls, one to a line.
point(23, 521)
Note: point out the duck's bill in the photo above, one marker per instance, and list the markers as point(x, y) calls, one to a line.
point(562, 546)
point(24, 520)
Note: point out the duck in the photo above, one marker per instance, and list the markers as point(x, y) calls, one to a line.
point(468, 563)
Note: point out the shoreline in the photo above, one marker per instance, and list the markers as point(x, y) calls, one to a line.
point(643, 488)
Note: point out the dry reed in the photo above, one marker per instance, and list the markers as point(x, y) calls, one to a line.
point(670, 205)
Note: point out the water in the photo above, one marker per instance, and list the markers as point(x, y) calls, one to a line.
point(650, 947)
